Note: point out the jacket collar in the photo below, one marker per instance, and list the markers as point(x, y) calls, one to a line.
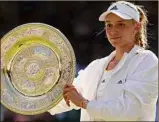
point(134, 50)
point(127, 55)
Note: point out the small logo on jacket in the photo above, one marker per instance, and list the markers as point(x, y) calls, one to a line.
point(119, 82)
point(103, 81)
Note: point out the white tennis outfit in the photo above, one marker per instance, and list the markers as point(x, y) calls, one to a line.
point(129, 92)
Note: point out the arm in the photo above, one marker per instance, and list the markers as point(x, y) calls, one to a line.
point(78, 84)
point(141, 89)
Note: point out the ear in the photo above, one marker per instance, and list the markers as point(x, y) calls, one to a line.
point(138, 26)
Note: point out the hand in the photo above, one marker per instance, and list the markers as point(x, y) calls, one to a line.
point(71, 94)
point(70, 87)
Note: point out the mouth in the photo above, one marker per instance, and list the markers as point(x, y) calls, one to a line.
point(115, 38)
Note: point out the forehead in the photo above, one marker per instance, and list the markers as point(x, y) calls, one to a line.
point(113, 18)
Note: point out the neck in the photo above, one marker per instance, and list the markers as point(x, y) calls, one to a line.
point(121, 50)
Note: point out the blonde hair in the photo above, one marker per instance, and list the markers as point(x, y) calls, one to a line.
point(141, 35)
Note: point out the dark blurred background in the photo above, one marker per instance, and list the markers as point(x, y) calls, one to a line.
point(78, 21)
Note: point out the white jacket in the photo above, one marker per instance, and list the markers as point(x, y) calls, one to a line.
point(133, 100)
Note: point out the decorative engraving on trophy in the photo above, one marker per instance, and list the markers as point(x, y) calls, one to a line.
point(29, 32)
point(65, 58)
point(52, 63)
point(46, 35)
point(62, 51)
point(43, 103)
point(51, 74)
point(11, 40)
point(67, 71)
point(32, 69)
point(62, 82)
point(20, 35)
point(19, 58)
point(7, 97)
point(63, 45)
point(65, 75)
point(65, 51)
point(36, 31)
point(5, 46)
point(28, 86)
point(53, 38)
point(52, 96)
point(42, 50)
point(19, 65)
point(28, 105)
point(16, 101)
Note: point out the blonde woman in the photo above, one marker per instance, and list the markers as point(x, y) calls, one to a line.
point(124, 85)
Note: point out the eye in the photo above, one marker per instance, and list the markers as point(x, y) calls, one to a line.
point(121, 24)
point(108, 25)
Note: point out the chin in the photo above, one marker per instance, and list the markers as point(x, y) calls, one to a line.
point(116, 44)
point(115, 41)
point(120, 45)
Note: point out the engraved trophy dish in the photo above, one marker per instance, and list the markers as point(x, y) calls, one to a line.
point(37, 60)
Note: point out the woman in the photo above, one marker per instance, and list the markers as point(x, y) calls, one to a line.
point(122, 86)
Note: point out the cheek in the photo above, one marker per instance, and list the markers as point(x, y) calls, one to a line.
point(130, 34)
point(108, 32)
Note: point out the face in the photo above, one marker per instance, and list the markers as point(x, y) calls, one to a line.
point(120, 32)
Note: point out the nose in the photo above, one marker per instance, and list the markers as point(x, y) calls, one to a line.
point(113, 32)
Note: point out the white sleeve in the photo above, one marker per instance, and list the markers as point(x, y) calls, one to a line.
point(78, 83)
point(140, 90)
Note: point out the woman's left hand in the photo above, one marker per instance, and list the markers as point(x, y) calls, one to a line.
point(71, 94)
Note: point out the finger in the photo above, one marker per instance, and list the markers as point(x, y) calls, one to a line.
point(68, 85)
point(68, 89)
point(68, 103)
point(67, 100)
point(66, 95)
